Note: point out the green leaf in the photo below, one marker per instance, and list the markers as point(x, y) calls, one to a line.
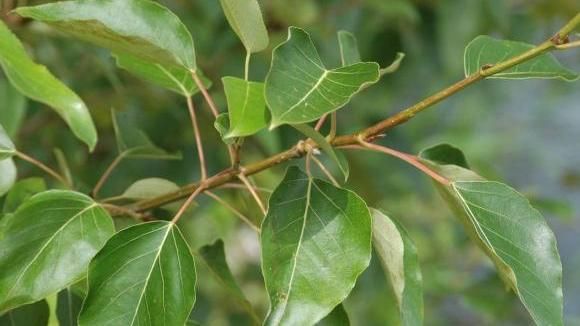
point(63, 165)
point(173, 78)
point(37, 83)
point(399, 259)
point(14, 107)
point(300, 89)
point(21, 191)
point(246, 107)
point(149, 188)
point(7, 175)
point(68, 308)
point(144, 275)
point(215, 258)
point(486, 50)
point(348, 45)
point(513, 234)
point(141, 28)
point(222, 125)
point(340, 161)
point(316, 241)
point(245, 18)
point(48, 244)
point(337, 317)
point(7, 148)
point(134, 143)
point(444, 154)
point(34, 314)
point(394, 66)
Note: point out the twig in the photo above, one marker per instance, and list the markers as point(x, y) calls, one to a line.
point(44, 168)
point(251, 189)
point(198, 141)
point(187, 203)
point(107, 174)
point(205, 94)
point(325, 170)
point(232, 209)
point(232, 185)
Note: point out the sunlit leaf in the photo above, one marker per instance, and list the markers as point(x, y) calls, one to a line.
point(348, 45)
point(246, 106)
point(245, 18)
point(21, 191)
point(300, 89)
point(512, 233)
point(14, 107)
point(337, 317)
point(486, 50)
point(144, 275)
point(37, 83)
point(399, 259)
point(149, 188)
point(47, 245)
point(7, 175)
point(141, 28)
point(316, 241)
point(34, 314)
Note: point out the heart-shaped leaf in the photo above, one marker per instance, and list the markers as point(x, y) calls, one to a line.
point(141, 28)
point(7, 148)
point(37, 83)
point(245, 18)
point(486, 50)
point(34, 314)
point(246, 107)
point(300, 89)
point(348, 45)
point(7, 175)
point(399, 259)
point(316, 241)
point(14, 107)
point(52, 236)
point(511, 232)
point(144, 275)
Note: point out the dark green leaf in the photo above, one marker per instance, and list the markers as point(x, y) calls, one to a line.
point(144, 275)
point(7, 148)
point(300, 89)
point(337, 317)
point(141, 28)
point(486, 50)
point(47, 245)
point(36, 82)
point(399, 259)
point(21, 191)
point(149, 188)
point(68, 308)
point(14, 107)
point(348, 45)
point(7, 175)
point(444, 154)
point(245, 18)
point(215, 257)
point(316, 241)
point(34, 314)
point(246, 107)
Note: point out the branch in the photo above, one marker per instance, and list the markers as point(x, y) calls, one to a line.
point(367, 135)
point(44, 168)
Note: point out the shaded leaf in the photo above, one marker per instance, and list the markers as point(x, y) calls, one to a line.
point(34, 314)
point(245, 18)
point(37, 83)
point(348, 45)
point(7, 148)
point(316, 241)
point(246, 107)
point(63, 165)
point(444, 154)
point(68, 308)
point(21, 191)
point(7, 175)
point(486, 50)
point(399, 259)
point(337, 317)
point(222, 125)
point(215, 257)
point(513, 234)
point(149, 188)
point(52, 236)
point(300, 89)
point(14, 107)
point(145, 274)
point(141, 28)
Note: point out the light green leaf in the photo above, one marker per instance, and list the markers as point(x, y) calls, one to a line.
point(141, 28)
point(340, 161)
point(215, 258)
point(348, 45)
point(145, 275)
point(222, 125)
point(394, 66)
point(68, 308)
point(486, 50)
point(246, 107)
point(174, 78)
point(300, 89)
point(513, 234)
point(14, 107)
point(399, 259)
point(7, 148)
point(52, 236)
point(34, 314)
point(134, 143)
point(245, 18)
point(37, 83)
point(7, 175)
point(316, 241)
point(337, 317)
point(21, 191)
point(149, 188)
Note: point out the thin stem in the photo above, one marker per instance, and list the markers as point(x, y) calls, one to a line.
point(187, 203)
point(231, 185)
point(411, 159)
point(325, 170)
point(44, 168)
point(206, 96)
point(253, 191)
point(232, 209)
point(198, 141)
point(307, 164)
point(570, 45)
point(332, 133)
point(321, 122)
point(107, 174)
point(247, 66)
point(120, 210)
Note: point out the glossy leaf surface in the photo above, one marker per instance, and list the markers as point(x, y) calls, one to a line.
point(47, 245)
point(246, 107)
point(486, 50)
point(145, 275)
point(316, 241)
point(36, 82)
point(7, 175)
point(300, 89)
point(245, 18)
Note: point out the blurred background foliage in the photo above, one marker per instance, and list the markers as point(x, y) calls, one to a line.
point(522, 132)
